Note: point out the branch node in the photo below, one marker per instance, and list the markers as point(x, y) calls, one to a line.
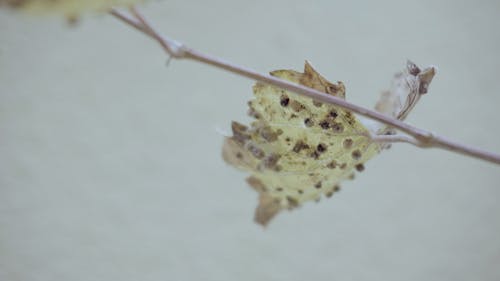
point(387, 139)
point(426, 139)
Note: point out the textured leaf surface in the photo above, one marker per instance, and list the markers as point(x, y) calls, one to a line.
point(297, 149)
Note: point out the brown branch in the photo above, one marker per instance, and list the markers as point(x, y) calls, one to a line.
point(421, 138)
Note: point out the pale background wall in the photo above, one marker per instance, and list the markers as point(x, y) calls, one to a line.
point(110, 164)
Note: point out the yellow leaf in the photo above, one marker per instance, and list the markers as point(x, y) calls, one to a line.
point(68, 8)
point(297, 149)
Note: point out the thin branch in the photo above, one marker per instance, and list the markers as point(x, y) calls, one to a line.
point(398, 138)
point(421, 138)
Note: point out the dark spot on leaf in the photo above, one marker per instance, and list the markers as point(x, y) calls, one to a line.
point(413, 69)
point(356, 154)
point(337, 128)
point(349, 118)
point(317, 103)
point(318, 185)
point(300, 191)
point(315, 154)
point(324, 124)
point(360, 167)
point(271, 161)
point(347, 143)
point(308, 122)
point(279, 189)
point(423, 88)
point(321, 148)
point(300, 145)
point(239, 155)
point(343, 166)
point(284, 100)
point(332, 165)
point(296, 106)
point(256, 151)
point(268, 134)
point(332, 88)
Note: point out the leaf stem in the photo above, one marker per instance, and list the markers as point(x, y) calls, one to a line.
point(421, 138)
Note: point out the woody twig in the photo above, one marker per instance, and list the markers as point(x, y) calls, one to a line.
point(416, 136)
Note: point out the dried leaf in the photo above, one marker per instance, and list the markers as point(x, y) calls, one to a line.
point(68, 8)
point(406, 89)
point(297, 149)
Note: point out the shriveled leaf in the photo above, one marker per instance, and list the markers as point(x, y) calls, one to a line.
point(406, 89)
point(298, 149)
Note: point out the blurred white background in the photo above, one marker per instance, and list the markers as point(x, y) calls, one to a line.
point(110, 164)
